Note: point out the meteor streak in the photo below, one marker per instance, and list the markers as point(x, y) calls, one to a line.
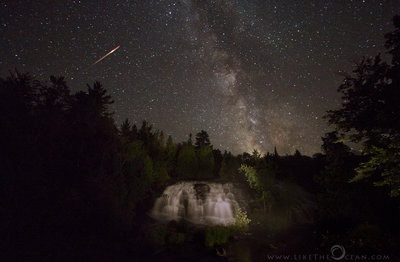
point(109, 53)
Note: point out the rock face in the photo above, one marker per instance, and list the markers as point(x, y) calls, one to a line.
point(197, 202)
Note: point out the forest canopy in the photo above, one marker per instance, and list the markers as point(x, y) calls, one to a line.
point(74, 184)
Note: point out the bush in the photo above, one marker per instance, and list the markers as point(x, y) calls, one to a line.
point(242, 221)
point(217, 235)
point(160, 236)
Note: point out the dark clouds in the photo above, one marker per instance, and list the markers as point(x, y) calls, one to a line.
point(254, 74)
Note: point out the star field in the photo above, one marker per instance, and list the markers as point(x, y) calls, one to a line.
point(253, 74)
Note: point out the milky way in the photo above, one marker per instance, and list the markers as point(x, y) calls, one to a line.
point(253, 74)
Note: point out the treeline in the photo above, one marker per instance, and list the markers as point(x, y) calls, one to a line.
point(356, 194)
point(361, 192)
point(74, 185)
point(292, 190)
point(71, 176)
point(66, 166)
point(69, 173)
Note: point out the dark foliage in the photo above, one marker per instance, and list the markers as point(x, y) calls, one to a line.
point(75, 187)
point(351, 210)
point(370, 115)
point(70, 177)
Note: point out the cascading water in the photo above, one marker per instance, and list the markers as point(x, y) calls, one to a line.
point(197, 202)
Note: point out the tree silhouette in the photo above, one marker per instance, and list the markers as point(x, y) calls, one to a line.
point(217, 161)
point(70, 177)
point(190, 140)
point(187, 164)
point(297, 153)
point(170, 154)
point(370, 114)
point(393, 42)
point(126, 128)
point(205, 161)
point(202, 139)
point(275, 152)
point(230, 168)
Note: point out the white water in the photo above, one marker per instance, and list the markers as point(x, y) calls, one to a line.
point(197, 202)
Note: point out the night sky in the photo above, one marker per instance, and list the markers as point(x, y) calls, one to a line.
point(253, 74)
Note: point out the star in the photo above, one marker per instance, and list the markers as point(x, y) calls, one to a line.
point(254, 74)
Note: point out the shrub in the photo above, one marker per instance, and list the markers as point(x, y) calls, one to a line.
point(242, 221)
point(217, 235)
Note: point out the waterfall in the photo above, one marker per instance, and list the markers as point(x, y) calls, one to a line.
point(197, 202)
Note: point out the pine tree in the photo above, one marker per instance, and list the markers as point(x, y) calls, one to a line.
point(202, 139)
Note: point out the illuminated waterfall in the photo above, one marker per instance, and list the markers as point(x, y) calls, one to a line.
point(197, 202)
